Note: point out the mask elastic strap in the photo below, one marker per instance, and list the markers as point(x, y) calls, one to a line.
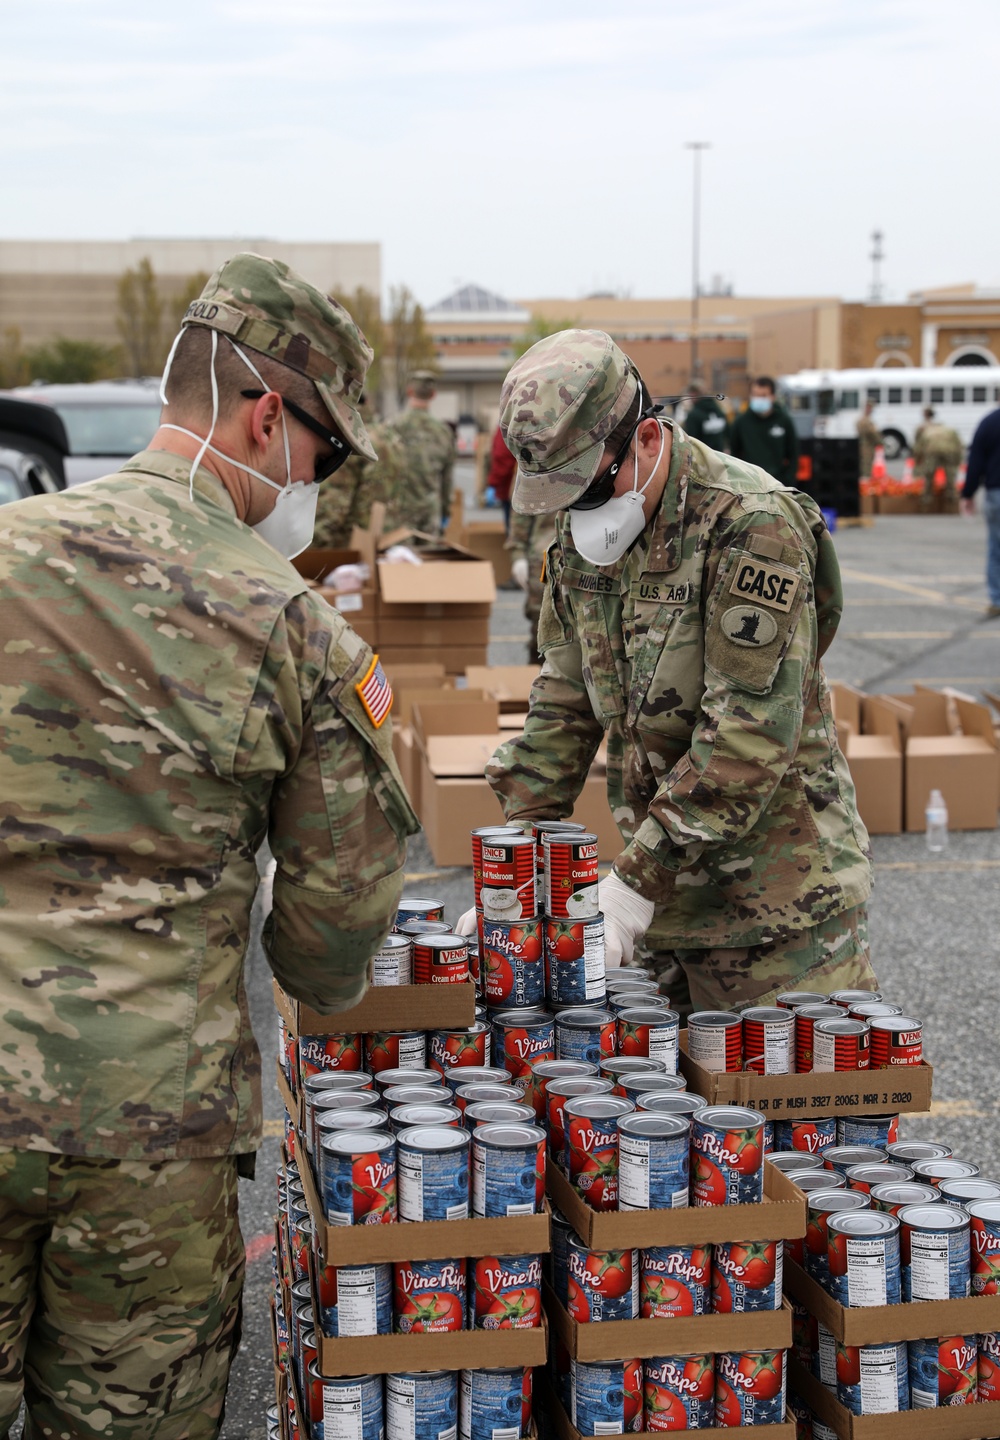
point(659, 456)
point(207, 442)
point(166, 368)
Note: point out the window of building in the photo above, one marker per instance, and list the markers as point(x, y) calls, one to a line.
point(979, 394)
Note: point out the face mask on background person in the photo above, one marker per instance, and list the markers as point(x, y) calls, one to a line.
point(289, 527)
point(603, 535)
point(761, 404)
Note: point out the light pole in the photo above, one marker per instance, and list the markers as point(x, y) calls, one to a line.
point(697, 146)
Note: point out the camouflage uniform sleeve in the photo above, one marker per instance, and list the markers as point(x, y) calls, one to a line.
point(539, 775)
point(762, 641)
point(446, 472)
point(339, 815)
point(519, 538)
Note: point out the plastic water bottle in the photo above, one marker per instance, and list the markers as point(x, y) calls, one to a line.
point(937, 823)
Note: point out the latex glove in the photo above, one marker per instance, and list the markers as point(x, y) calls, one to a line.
point(627, 915)
point(466, 924)
point(519, 571)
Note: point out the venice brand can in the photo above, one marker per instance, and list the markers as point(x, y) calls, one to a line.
point(840, 1045)
point(328, 1052)
point(570, 866)
point(344, 1405)
point(358, 1177)
point(415, 928)
point(428, 1296)
point(750, 1388)
point(863, 1258)
point(395, 1050)
point(545, 1070)
point(654, 1166)
point(606, 1396)
point(873, 1010)
point(820, 1205)
point(985, 1246)
point(943, 1371)
point(392, 963)
point(897, 1040)
point(450, 1049)
point(878, 1130)
point(494, 1404)
point(418, 907)
point(768, 1040)
point(508, 1170)
point(557, 1093)
point(601, 1284)
point(590, 1150)
point(499, 833)
point(936, 1252)
point(645, 1030)
point(508, 888)
point(433, 1167)
point(989, 1366)
point(574, 961)
point(585, 1033)
point(520, 1037)
point(727, 1156)
point(403, 1117)
point(810, 1136)
point(505, 1293)
point(873, 1379)
point(715, 1040)
point(513, 964)
point(892, 1198)
point(679, 1392)
point(746, 1276)
point(407, 1075)
point(421, 1405)
point(353, 1299)
point(440, 960)
point(675, 1280)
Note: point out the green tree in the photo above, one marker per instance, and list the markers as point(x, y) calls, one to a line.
point(66, 362)
point(140, 319)
point(366, 309)
point(14, 368)
point(538, 328)
point(177, 306)
point(410, 344)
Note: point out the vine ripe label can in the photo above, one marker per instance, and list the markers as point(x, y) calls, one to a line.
point(810, 1136)
point(512, 963)
point(494, 1403)
point(420, 1403)
point(520, 1037)
point(675, 1280)
point(601, 1284)
point(936, 1252)
point(328, 1052)
point(358, 1177)
point(344, 1405)
point(585, 1033)
point(727, 1156)
point(508, 1170)
point(451, 1049)
point(440, 959)
point(985, 1246)
point(678, 1392)
point(715, 1040)
point(653, 1161)
point(506, 1292)
point(880, 1130)
point(557, 1092)
point(395, 1050)
point(651, 1033)
point(545, 1070)
point(989, 1366)
point(570, 875)
point(574, 961)
point(508, 886)
point(428, 1296)
point(418, 907)
point(353, 1299)
point(750, 1388)
point(433, 1168)
point(606, 1396)
point(864, 1258)
point(591, 1147)
point(873, 1379)
point(897, 1040)
point(943, 1371)
point(746, 1276)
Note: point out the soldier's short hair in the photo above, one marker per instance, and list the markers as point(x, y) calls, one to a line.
point(929, 412)
point(421, 384)
point(189, 385)
point(765, 382)
point(625, 427)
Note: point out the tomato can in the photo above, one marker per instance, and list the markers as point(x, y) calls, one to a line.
point(557, 1092)
point(421, 1404)
point(943, 1371)
point(590, 1151)
point(585, 1033)
point(842, 1157)
point(619, 1000)
point(865, 1177)
point(395, 1050)
point(635, 1084)
point(545, 1070)
point(328, 1052)
point(820, 1205)
point(649, 1032)
point(664, 1102)
point(750, 1388)
point(679, 1392)
point(418, 907)
point(863, 1257)
point(824, 1365)
point(810, 1136)
point(879, 1130)
point(392, 963)
point(897, 1040)
point(407, 1075)
point(570, 866)
point(321, 1102)
point(606, 1396)
point(934, 1171)
point(715, 1040)
point(506, 1292)
point(809, 1181)
point(768, 1040)
point(520, 1037)
point(989, 1366)
point(602, 1284)
point(873, 1379)
point(440, 960)
point(985, 1246)
point(574, 961)
point(613, 1067)
point(432, 1163)
point(492, 1401)
point(498, 1112)
point(357, 1174)
point(909, 1150)
point(403, 1117)
point(675, 1280)
point(795, 1162)
point(727, 1156)
point(340, 1122)
point(892, 1198)
point(961, 1192)
point(456, 1078)
point(795, 999)
point(353, 1299)
point(467, 1095)
point(746, 1276)
point(428, 1296)
point(508, 1170)
point(344, 1405)
point(454, 1049)
point(395, 1095)
point(936, 1250)
point(654, 1163)
point(513, 964)
point(507, 891)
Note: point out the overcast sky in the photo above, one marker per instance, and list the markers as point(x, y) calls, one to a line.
point(535, 148)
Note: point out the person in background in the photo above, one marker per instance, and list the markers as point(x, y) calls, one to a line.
point(869, 438)
point(530, 538)
point(763, 433)
point(422, 499)
point(348, 498)
point(501, 474)
point(937, 447)
point(706, 420)
point(984, 472)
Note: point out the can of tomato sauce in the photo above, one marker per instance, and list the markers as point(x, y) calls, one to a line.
point(542, 1071)
point(432, 1164)
point(520, 1037)
point(654, 1166)
point(897, 1040)
point(810, 1136)
point(513, 965)
point(715, 1040)
point(497, 1112)
point(585, 1033)
point(863, 1256)
point(727, 1156)
point(428, 1296)
point(418, 907)
point(357, 1174)
point(557, 1092)
point(879, 1130)
point(750, 1388)
point(506, 1292)
point(451, 1049)
point(746, 1276)
point(675, 1280)
point(634, 1085)
point(820, 1205)
point(574, 961)
point(508, 1170)
point(602, 1284)
point(318, 1102)
point(328, 1052)
point(985, 1246)
point(406, 1075)
point(590, 1151)
point(615, 1067)
point(440, 960)
point(650, 1032)
point(395, 1050)
point(570, 875)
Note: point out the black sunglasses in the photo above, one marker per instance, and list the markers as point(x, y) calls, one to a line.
point(599, 491)
point(326, 465)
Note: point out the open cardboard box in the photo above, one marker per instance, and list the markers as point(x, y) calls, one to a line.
point(781, 1215)
point(487, 539)
point(509, 685)
point(678, 1335)
point(870, 732)
point(951, 746)
point(564, 1428)
point(386, 1007)
point(789, 1097)
point(404, 698)
point(947, 1422)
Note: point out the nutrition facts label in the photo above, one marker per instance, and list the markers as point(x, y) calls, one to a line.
point(777, 1050)
point(342, 1412)
point(633, 1173)
point(880, 1379)
point(663, 1046)
point(356, 1300)
point(866, 1270)
point(928, 1266)
point(412, 1053)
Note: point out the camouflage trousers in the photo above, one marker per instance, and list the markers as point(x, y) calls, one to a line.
point(120, 1286)
point(950, 469)
point(834, 955)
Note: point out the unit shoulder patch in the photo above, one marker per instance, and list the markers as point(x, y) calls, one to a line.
point(764, 583)
point(748, 625)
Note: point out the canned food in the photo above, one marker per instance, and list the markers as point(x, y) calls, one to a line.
point(300, 1233)
point(892, 1198)
point(323, 1101)
point(878, 1130)
point(846, 998)
point(492, 1401)
point(750, 1388)
point(662, 1102)
point(820, 1205)
point(619, 1000)
point(507, 891)
point(557, 1093)
point(936, 1252)
point(353, 1299)
point(440, 960)
point(793, 1163)
point(943, 1371)
point(396, 1095)
point(601, 1284)
point(415, 928)
point(649, 1083)
point(421, 1404)
point(985, 1246)
point(570, 866)
point(405, 1116)
point(541, 828)
point(407, 1075)
point(727, 1156)
point(824, 1365)
point(334, 1122)
point(795, 999)
point(863, 1257)
point(746, 1276)
point(433, 1167)
point(806, 1017)
point(873, 1010)
point(450, 1049)
point(961, 1192)
point(508, 1170)
point(395, 1050)
point(934, 1171)
point(809, 1181)
point(585, 1033)
point(842, 1157)
point(574, 959)
point(418, 907)
point(328, 1052)
point(467, 1095)
point(863, 1177)
point(619, 981)
point(606, 1396)
point(357, 1175)
point(653, 1161)
point(989, 1366)
point(392, 963)
point(506, 1292)
point(907, 1151)
point(715, 1040)
point(428, 1296)
point(840, 1045)
point(624, 976)
point(897, 1040)
point(613, 1067)
point(810, 1136)
point(545, 1070)
point(650, 1032)
point(513, 965)
point(344, 1405)
point(768, 1040)
point(476, 1075)
point(873, 1379)
point(675, 1280)
point(520, 1037)
point(679, 1392)
point(498, 1112)
point(591, 1147)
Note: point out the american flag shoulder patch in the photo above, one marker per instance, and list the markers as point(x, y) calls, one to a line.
point(375, 693)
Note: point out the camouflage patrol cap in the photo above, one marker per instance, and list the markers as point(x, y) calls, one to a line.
point(560, 402)
point(265, 305)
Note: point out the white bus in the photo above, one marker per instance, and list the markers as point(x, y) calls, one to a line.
point(827, 403)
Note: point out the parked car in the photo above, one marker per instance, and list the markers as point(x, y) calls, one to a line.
point(23, 474)
point(38, 436)
point(106, 421)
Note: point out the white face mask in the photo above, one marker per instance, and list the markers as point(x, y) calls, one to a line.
point(603, 535)
point(289, 527)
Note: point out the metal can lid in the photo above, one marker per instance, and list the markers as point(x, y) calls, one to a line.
point(945, 1170)
point(661, 1127)
point(418, 929)
point(934, 1217)
point(648, 1083)
point(895, 1023)
point(445, 941)
point(431, 1138)
point(731, 1117)
point(408, 1075)
point(398, 940)
point(625, 979)
point(576, 837)
point(713, 1019)
point(405, 1116)
point(650, 1015)
point(810, 1180)
point(632, 1065)
point(509, 1137)
point(584, 1017)
point(795, 999)
point(619, 1000)
point(848, 997)
point(883, 1174)
point(792, 1161)
point(336, 1382)
point(962, 1191)
point(907, 1193)
point(988, 1210)
point(825, 1202)
point(483, 1093)
point(330, 1122)
point(460, 1075)
point(598, 1107)
point(483, 830)
point(841, 1027)
point(908, 1150)
point(415, 1095)
point(580, 1085)
point(499, 1112)
point(819, 1012)
point(302, 1291)
point(419, 902)
point(846, 1155)
point(557, 827)
point(325, 1100)
point(563, 1069)
point(665, 1103)
point(344, 1142)
point(875, 1010)
point(530, 1017)
point(869, 1222)
point(768, 1015)
point(337, 1080)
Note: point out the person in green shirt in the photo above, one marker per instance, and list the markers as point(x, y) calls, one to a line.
point(763, 434)
point(706, 420)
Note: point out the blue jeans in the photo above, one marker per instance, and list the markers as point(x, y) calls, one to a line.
point(991, 509)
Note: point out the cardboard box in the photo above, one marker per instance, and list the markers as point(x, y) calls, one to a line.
point(459, 579)
point(880, 1324)
point(951, 746)
point(781, 1215)
point(488, 540)
point(434, 635)
point(678, 1335)
point(871, 735)
point(456, 1350)
point(564, 1428)
point(509, 685)
point(454, 657)
point(404, 752)
point(947, 1422)
point(316, 561)
point(788, 1097)
point(386, 1007)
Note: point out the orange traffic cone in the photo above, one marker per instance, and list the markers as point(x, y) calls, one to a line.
point(939, 478)
point(907, 480)
point(878, 464)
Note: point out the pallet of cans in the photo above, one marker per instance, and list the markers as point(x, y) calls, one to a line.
point(849, 1053)
point(895, 1291)
point(734, 1390)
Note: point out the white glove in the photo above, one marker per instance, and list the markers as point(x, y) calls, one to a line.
point(466, 924)
point(519, 571)
point(627, 915)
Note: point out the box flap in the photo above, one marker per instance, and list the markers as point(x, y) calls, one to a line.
point(922, 746)
point(473, 717)
point(930, 713)
point(451, 756)
point(316, 562)
point(883, 718)
point(440, 582)
point(873, 747)
point(407, 697)
point(846, 704)
point(974, 719)
point(511, 684)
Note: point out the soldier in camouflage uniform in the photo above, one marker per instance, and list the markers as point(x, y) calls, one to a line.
point(172, 695)
point(422, 498)
point(697, 655)
point(347, 498)
point(937, 447)
point(530, 538)
point(869, 439)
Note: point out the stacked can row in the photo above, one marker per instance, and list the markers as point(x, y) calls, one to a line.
point(672, 1392)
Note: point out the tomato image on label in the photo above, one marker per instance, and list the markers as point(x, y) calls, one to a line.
point(602, 1284)
point(429, 1296)
point(678, 1392)
point(507, 1292)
